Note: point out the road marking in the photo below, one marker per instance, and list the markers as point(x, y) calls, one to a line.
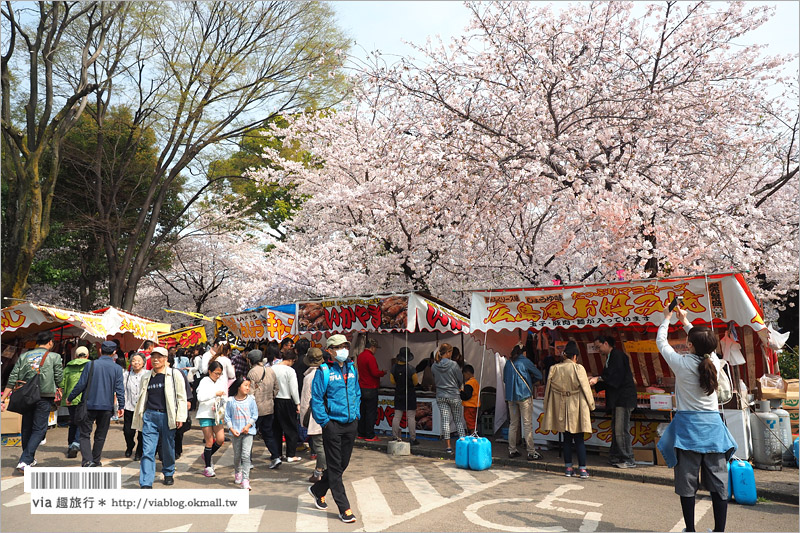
point(22, 499)
point(246, 522)
point(377, 516)
point(461, 477)
point(419, 487)
point(308, 517)
point(180, 529)
point(472, 515)
point(700, 509)
point(375, 511)
point(10, 483)
point(590, 522)
point(554, 496)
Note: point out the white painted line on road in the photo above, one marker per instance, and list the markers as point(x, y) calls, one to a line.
point(700, 509)
point(419, 487)
point(554, 496)
point(246, 522)
point(590, 522)
point(10, 483)
point(472, 515)
point(309, 518)
point(22, 499)
point(375, 511)
point(461, 477)
point(180, 529)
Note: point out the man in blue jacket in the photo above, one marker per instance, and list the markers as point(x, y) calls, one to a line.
point(519, 376)
point(106, 380)
point(336, 405)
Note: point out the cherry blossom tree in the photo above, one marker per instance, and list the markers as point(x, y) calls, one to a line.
point(574, 144)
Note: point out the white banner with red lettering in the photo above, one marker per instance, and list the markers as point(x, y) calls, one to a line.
point(396, 312)
point(723, 297)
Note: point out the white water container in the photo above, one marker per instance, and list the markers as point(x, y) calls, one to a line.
point(785, 435)
point(767, 449)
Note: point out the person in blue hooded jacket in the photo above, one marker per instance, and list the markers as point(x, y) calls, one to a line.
point(336, 406)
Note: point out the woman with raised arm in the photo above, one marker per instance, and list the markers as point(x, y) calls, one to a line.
point(697, 438)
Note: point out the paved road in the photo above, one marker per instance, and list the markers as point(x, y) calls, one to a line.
point(390, 494)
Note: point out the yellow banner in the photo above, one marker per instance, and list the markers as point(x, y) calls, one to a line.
point(183, 338)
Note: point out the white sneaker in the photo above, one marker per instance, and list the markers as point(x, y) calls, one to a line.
point(21, 466)
point(209, 471)
point(33, 463)
point(293, 459)
point(246, 484)
point(237, 478)
point(275, 463)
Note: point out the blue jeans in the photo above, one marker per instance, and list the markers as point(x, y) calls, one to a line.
point(74, 432)
point(34, 428)
point(155, 424)
point(580, 448)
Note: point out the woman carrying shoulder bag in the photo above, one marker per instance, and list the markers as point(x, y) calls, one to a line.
point(697, 438)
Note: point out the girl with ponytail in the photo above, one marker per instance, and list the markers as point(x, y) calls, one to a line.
point(697, 438)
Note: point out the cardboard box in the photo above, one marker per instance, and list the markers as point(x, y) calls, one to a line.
point(642, 455)
point(10, 423)
point(792, 385)
point(12, 440)
point(791, 404)
point(661, 402)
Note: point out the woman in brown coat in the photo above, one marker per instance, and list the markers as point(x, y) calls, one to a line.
point(568, 403)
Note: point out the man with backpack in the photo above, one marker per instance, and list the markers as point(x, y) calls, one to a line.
point(519, 377)
point(336, 405)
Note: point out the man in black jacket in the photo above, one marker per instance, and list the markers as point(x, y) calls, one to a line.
point(617, 381)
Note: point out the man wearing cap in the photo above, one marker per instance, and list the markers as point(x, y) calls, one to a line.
point(72, 373)
point(336, 406)
point(369, 379)
point(160, 410)
point(106, 380)
point(264, 386)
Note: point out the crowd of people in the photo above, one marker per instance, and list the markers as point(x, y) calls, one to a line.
point(323, 400)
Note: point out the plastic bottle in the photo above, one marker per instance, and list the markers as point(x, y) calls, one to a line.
point(480, 453)
point(462, 452)
point(766, 442)
point(785, 435)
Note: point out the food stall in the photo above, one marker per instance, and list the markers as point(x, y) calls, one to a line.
point(21, 322)
point(630, 311)
point(411, 319)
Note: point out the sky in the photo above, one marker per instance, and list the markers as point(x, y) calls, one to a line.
point(383, 25)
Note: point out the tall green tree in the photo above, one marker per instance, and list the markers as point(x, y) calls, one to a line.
point(35, 39)
point(203, 75)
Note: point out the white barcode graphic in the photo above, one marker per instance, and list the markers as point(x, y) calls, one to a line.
point(73, 479)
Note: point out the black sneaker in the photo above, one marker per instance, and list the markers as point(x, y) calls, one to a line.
point(347, 517)
point(72, 453)
point(169, 480)
point(534, 456)
point(319, 502)
point(415, 442)
point(513, 455)
point(145, 487)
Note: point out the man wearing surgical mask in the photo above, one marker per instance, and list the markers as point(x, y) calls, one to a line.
point(336, 406)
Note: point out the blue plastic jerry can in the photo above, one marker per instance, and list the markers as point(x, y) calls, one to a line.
point(462, 452)
point(480, 453)
point(796, 450)
point(742, 482)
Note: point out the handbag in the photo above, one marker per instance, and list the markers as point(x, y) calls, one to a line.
point(724, 389)
point(219, 410)
point(82, 410)
point(27, 393)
